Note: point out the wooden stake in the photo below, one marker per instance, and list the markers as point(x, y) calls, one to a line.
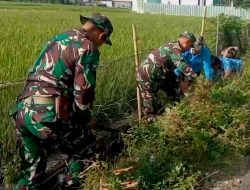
point(203, 21)
point(137, 65)
point(217, 35)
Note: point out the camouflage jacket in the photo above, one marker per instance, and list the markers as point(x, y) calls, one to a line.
point(156, 69)
point(66, 66)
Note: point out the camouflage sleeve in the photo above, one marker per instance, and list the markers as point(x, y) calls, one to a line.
point(176, 57)
point(85, 81)
point(146, 88)
point(181, 65)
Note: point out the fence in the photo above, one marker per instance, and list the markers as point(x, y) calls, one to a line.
point(188, 10)
point(104, 108)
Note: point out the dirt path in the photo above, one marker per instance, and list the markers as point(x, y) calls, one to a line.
point(236, 176)
point(108, 143)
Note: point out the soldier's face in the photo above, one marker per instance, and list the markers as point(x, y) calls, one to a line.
point(100, 36)
point(185, 43)
point(96, 34)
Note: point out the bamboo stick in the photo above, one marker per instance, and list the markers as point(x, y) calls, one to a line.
point(137, 65)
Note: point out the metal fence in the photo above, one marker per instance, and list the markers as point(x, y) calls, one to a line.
point(188, 10)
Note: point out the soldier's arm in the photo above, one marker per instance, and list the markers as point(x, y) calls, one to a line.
point(84, 84)
point(181, 65)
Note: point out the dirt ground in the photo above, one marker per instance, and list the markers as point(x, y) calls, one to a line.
point(235, 175)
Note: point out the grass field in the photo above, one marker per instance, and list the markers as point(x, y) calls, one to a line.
point(26, 27)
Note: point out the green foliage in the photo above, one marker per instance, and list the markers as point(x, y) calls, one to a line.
point(11, 170)
point(199, 133)
point(100, 176)
point(242, 3)
point(231, 32)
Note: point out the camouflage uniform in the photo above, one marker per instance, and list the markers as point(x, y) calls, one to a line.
point(66, 67)
point(158, 72)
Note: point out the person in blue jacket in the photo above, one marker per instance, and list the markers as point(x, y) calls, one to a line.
point(230, 63)
point(199, 58)
point(226, 65)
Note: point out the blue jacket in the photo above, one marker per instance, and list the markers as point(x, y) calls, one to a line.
point(233, 65)
point(200, 61)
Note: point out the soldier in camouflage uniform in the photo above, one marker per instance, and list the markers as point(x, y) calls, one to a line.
point(55, 104)
point(157, 72)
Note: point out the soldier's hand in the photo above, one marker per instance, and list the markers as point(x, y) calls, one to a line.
point(151, 119)
point(92, 124)
point(189, 72)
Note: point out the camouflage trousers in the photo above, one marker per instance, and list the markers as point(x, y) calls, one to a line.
point(149, 96)
point(38, 131)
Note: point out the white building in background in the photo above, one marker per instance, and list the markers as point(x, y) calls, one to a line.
point(107, 3)
point(123, 3)
point(117, 3)
point(188, 2)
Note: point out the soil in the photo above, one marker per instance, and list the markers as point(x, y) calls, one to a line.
point(234, 175)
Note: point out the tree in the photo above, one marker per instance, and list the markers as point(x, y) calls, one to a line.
point(242, 3)
point(237, 3)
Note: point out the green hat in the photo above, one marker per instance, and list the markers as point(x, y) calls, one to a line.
point(188, 35)
point(100, 21)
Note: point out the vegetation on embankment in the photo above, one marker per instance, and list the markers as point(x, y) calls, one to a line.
point(186, 143)
point(192, 139)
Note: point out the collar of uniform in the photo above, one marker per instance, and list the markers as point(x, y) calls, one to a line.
point(176, 46)
point(81, 32)
point(84, 35)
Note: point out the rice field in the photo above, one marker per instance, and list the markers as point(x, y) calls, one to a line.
point(26, 27)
